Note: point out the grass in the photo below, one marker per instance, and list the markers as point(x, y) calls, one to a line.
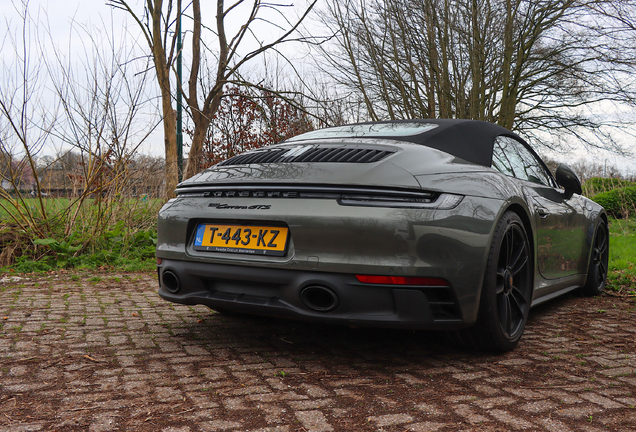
point(612, 193)
point(32, 204)
point(57, 205)
point(120, 234)
point(137, 254)
point(622, 260)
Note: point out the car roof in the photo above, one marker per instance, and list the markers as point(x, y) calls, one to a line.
point(471, 140)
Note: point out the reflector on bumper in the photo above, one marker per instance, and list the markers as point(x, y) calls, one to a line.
point(402, 280)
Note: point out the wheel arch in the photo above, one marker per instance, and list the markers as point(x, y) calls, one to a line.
point(530, 233)
point(605, 219)
point(522, 212)
point(488, 332)
point(527, 224)
point(602, 216)
point(594, 221)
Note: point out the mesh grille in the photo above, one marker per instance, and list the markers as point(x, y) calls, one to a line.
point(313, 154)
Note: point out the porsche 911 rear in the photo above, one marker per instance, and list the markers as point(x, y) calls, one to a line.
point(341, 232)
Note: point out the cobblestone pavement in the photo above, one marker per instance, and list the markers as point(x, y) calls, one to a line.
point(100, 353)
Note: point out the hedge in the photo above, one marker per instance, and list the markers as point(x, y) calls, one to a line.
point(597, 185)
point(618, 202)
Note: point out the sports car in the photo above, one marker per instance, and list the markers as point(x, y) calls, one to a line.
point(452, 225)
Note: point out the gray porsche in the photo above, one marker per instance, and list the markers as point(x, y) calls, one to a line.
point(452, 225)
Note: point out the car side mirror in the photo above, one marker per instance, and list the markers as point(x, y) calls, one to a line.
point(566, 178)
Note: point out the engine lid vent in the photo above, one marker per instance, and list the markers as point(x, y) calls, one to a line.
point(310, 154)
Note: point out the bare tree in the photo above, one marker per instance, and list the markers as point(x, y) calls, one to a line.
point(89, 103)
point(158, 25)
point(102, 103)
point(25, 123)
point(545, 65)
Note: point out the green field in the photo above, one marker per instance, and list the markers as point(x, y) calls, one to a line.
point(32, 204)
point(57, 205)
point(622, 261)
point(92, 234)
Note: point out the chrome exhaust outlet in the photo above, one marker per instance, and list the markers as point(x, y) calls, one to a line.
point(319, 298)
point(170, 281)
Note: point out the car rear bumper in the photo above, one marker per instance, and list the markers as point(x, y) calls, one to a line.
point(308, 295)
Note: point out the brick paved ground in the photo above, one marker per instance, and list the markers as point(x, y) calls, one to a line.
point(102, 353)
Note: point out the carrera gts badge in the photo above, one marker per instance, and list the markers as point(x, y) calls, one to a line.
point(220, 206)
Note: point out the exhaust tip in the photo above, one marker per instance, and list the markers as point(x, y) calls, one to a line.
point(170, 281)
point(319, 298)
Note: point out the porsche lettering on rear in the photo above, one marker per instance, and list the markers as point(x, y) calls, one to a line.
point(250, 193)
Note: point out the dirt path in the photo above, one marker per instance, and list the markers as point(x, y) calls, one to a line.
point(104, 353)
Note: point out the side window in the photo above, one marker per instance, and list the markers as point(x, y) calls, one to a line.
point(508, 152)
point(533, 167)
point(505, 158)
point(499, 160)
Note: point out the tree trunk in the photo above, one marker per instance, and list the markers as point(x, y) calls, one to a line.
point(170, 143)
point(162, 66)
point(202, 123)
point(508, 99)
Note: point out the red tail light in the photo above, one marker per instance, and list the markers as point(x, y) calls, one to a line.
point(402, 280)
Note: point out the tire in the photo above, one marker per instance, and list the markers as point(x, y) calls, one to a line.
point(506, 291)
point(599, 258)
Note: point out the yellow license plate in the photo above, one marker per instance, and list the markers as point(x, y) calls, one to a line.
point(259, 240)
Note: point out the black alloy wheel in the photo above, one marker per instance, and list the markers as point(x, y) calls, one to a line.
point(597, 270)
point(506, 292)
point(512, 282)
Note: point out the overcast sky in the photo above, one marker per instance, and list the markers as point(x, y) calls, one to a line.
point(60, 15)
point(62, 12)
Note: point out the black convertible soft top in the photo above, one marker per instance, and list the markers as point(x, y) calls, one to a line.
point(471, 140)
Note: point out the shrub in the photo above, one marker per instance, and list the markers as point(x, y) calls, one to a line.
point(597, 185)
point(619, 202)
point(66, 234)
